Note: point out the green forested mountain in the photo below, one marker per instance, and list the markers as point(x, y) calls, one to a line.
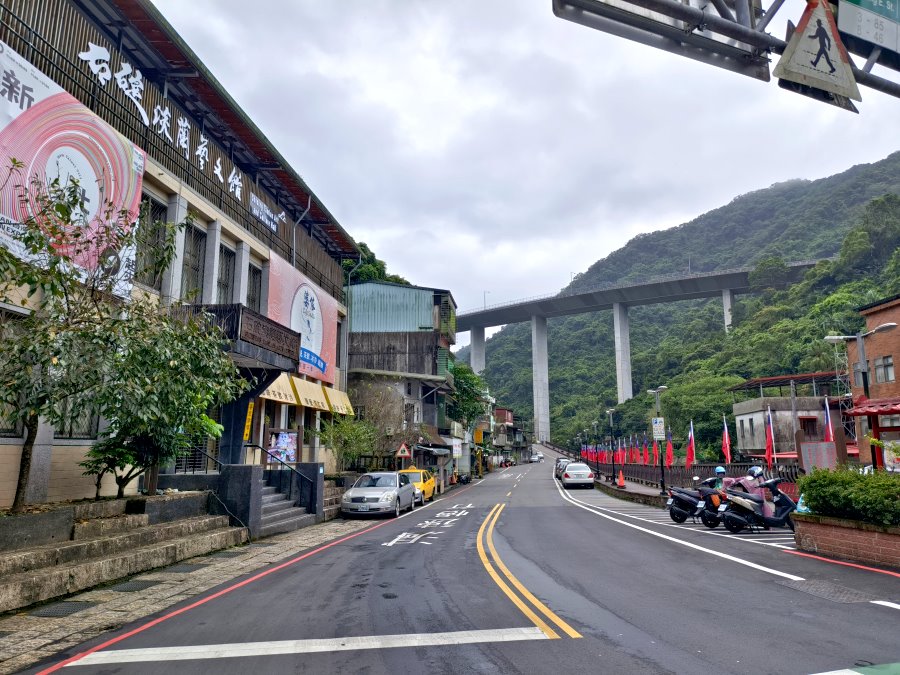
point(683, 345)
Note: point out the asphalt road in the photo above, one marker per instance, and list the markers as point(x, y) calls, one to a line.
point(514, 575)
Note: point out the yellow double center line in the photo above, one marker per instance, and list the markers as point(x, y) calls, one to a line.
point(486, 534)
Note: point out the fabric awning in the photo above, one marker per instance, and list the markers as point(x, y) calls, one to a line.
point(880, 406)
point(280, 390)
point(311, 394)
point(439, 452)
point(338, 400)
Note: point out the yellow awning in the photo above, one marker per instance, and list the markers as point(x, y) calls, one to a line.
point(340, 402)
point(280, 390)
point(310, 394)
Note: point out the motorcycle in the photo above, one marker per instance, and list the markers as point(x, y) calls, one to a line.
point(683, 502)
point(748, 510)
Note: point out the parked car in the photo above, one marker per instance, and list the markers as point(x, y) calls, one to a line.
point(577, 474)
point(379, 492)
point(423, 483)
point(535, 458)
point(560, 465)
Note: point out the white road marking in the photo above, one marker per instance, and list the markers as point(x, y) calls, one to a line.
point(226, 651)
point(885, 603)
point(593, 509)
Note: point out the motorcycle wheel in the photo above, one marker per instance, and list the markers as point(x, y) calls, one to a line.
point(677, 514)
point(709, 520)
point(732, 525)
point(790, 523)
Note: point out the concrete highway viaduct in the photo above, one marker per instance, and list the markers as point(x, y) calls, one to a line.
point(725, 284)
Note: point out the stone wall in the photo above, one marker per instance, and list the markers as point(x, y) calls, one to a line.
point(848, 539)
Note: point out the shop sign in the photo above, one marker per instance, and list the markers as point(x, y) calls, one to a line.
point(259, 331)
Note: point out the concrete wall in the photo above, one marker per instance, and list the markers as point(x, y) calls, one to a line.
point(65, 482)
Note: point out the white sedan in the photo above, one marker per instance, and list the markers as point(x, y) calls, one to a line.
point(577, 474)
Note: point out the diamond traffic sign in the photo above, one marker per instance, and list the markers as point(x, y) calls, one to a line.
point(815, 55)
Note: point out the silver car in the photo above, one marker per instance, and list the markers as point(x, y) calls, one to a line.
point(379, 492)
point(577, 474)
point(560, 465)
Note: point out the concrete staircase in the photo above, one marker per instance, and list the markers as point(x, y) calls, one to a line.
point(333, 496)
point(107, 543)
point(280, 515)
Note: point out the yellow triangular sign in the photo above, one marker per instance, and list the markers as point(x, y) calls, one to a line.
point(815, 55)
point(403, 451)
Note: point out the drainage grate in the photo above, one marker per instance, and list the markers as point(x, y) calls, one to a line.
point(184, 567)
point(132, 586)
point(226, 554)
point(827, 590)
point(61, 608)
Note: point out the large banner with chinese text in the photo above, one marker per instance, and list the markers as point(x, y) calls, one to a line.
point(298, 303)
point(55, 136)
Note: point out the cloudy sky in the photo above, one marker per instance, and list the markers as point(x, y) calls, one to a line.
point(488, 147)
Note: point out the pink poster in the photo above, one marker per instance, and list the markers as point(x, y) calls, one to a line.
point(296, 302)
point(55, 136)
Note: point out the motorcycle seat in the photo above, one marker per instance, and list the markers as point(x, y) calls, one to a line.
point(746, 495)
point(689, 493)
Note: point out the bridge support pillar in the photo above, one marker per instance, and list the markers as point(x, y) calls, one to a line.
point(540, 378)
point(477, 349)
point(623, 351)
point(727, 301)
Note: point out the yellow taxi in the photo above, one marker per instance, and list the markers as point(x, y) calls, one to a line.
point(423, 481)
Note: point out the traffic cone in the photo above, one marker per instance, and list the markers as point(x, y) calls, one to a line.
point(620, 483)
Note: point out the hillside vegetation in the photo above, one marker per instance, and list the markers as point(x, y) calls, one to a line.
point(854, 216)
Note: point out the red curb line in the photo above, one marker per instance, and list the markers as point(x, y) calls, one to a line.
point(150, 624)
point(846, 564)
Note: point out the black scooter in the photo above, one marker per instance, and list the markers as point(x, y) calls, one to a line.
point(745, 510)
point(683, 502)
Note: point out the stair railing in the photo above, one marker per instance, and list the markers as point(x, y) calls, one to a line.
point(286, 471)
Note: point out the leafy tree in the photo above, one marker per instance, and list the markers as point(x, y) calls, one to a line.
point(83, 346)
point(770, 272)
point(371, 268)
point(349, 439)
point(468, 403)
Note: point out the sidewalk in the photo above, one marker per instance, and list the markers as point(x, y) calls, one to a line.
point(34, 633)
point(633, 492)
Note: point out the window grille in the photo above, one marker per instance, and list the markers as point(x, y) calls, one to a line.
point(194, 264)
point(225, 282)
point(9, 428)
point(85, 425)
point(151, 239)
point(254, 289)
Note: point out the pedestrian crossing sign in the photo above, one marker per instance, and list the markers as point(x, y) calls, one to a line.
point(815, 55)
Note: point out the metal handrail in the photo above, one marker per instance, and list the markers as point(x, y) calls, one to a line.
point(281, 471)
point(219, 464)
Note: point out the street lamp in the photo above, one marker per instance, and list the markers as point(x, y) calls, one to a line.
point(863, 361)
point(861, 349)
point(610, 411)
point(594, 440)
point(662, 474)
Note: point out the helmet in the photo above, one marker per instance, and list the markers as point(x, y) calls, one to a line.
point(755, 471)
point(720, 469)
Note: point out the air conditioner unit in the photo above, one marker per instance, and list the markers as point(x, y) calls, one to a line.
point(389, 431)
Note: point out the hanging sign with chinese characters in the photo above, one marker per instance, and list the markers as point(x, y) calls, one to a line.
point(55, 136)
point(179, 130)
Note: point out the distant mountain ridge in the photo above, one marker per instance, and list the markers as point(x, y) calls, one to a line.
point(797, 219)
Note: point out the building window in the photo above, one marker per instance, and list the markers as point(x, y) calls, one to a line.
point(83, 426)
point(809, 426)
point(9, 427)
point(360, 411)
point(194, 264)
point(889, 421)
point(225, 282)
point(409, 413)
point(254, 289)
point(151, 238)
point(752, 433)
point(409, 388)
point(884, 369)
point(742, 429)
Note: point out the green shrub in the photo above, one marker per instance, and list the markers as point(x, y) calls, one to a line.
point(846, 493)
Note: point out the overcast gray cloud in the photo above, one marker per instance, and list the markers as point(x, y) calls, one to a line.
point(487, 146)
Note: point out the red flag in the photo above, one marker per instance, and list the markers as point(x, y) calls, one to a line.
point(689, 454)
point(669, 453)
point(829, 430)
point(726, 442)
point(770, 438)
point(646, 453)
point(655, 453)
